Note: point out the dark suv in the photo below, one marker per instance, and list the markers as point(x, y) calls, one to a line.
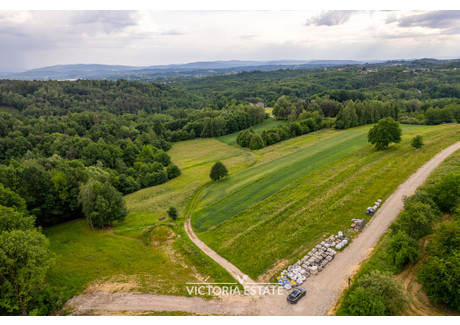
point(295, 295)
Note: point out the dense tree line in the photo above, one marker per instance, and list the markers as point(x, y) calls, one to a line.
point(306, 122)
point(305, 116)
point(51, 187)
point(399, 82)
point(438, 273)
point(24, 260)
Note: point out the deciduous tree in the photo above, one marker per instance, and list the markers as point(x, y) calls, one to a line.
point(385, 132)
point(218, 171)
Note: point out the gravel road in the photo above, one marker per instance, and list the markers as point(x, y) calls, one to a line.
point(323, 290)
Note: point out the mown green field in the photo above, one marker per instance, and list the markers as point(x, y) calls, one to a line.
point(230, 196)
point(267, 217)
point(258, 128)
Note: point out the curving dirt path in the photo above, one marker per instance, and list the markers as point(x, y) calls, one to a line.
point(232, 269)
point(323, 290)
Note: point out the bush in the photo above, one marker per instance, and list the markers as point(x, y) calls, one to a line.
point(446, 193)
point(416, 220)
point(439, 277)
point(173, 171)
point(417, 142)
point(375, 294)
point(439, 273)
point(403, 249)
point(172, 213)
point(218, 171)
point(256, 143)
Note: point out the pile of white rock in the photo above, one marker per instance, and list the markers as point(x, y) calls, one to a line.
point(313, 262)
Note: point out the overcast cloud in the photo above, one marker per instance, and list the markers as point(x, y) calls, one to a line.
point(41, 38)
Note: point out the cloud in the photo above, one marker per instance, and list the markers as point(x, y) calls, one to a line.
point(106, 20)
point(331, 18)
point(172, 32)
point(436, 19)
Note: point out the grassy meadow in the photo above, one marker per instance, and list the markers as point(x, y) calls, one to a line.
point(119, 257)
point(264, 218)
point(230, 196)
point(288, 196)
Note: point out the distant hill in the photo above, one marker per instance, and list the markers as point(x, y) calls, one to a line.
point(113, 72)
point(189, 70)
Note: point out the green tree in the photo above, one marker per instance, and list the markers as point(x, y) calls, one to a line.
point(375, 294)
point(385, 132)
point(416, 220)
point(173, 171)
point(256, 142)
point(9, 198)
point(403, 249)
point(101, 203)
point(446, 193)
point(12, 219)
point(439, 274)
point(172, 213)
point(24, 261)
point(218, 171)
point(162, 157)
point(146, 155)
point(417, 142)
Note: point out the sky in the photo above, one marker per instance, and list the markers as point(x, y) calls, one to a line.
point(32, 39)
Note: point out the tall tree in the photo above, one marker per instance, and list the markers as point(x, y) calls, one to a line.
point(24, 260)
point(101, 203)
point(385, 132)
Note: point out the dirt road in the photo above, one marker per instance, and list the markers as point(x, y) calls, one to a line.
point(323, 290)
point(232, 269)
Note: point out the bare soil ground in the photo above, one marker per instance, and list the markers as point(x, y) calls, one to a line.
point(323, 290)
point(418, 302)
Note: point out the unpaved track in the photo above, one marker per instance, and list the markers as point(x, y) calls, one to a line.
point(232, 269)
point(323, 290)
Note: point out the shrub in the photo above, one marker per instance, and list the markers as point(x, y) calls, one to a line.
point(416, 220)
point(446, 193)
point(173, 171)
point(218, 171)
point(375, 294)
point(256, 142)
point(403, 249)
point(417, 142)
point(439, 273)
point(172, 213)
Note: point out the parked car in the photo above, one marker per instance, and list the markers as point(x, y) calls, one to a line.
point(295, 295)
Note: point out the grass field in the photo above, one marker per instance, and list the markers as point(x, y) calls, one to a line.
point(279, 226)
point(118, 258)
point(230, 196)
point(269, 123)
point(264, 218)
